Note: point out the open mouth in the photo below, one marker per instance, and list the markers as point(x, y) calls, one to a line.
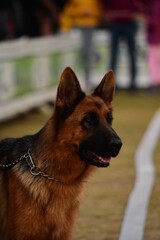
point(95, 159)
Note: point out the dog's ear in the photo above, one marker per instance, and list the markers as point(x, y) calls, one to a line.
point(69, 92)
point(106, 88)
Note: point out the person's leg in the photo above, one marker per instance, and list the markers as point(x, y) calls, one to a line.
point(114, 45)
point(87, 51)
point(130, 35)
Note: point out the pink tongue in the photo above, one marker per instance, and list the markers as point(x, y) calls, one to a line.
point(101, 159)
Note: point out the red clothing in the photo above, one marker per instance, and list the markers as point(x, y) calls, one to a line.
point(120, 10)
point(153, 21)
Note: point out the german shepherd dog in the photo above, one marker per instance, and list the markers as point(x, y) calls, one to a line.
point(40, 193)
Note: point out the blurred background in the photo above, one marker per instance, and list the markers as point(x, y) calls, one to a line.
point(38, 39)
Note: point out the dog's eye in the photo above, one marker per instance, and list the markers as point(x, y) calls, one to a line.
point(109, 118)
point(90, 120)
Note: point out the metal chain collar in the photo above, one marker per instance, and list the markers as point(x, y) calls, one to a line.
point(12, 164)
point(34, 170)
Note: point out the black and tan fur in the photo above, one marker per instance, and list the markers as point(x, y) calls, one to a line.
point(78, 138)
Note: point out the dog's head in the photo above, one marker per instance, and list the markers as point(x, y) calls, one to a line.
point(85, 122)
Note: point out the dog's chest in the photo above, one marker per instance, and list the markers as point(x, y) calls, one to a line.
point(59, 216)
point(62, 205)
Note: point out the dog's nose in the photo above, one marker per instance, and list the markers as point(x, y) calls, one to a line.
point(115, 146)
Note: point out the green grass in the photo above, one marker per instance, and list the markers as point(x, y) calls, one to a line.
point(104, 201)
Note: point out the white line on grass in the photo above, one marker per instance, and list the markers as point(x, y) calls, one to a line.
point(135, 214)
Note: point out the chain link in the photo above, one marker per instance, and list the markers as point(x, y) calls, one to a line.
point(12, 164)
point(34, 170)
point(37, 172)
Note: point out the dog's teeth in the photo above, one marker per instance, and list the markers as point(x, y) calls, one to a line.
point(102, 159)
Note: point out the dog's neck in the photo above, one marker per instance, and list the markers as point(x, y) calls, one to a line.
point(62, 165)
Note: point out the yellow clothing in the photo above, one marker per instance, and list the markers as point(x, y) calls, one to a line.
point(81, 13)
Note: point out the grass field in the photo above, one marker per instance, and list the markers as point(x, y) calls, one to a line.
point(104, 201)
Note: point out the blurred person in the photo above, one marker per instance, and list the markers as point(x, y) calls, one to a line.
point(29, 12)
point(41, 17)
point(84, 15)
point(6, 20)
point(152, 9)
point(18, 18)
point(121, 16)
point(48, 15)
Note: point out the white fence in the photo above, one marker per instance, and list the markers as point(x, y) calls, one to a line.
point(30, 67)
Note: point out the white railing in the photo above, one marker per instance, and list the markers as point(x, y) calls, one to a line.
point(35, 65)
